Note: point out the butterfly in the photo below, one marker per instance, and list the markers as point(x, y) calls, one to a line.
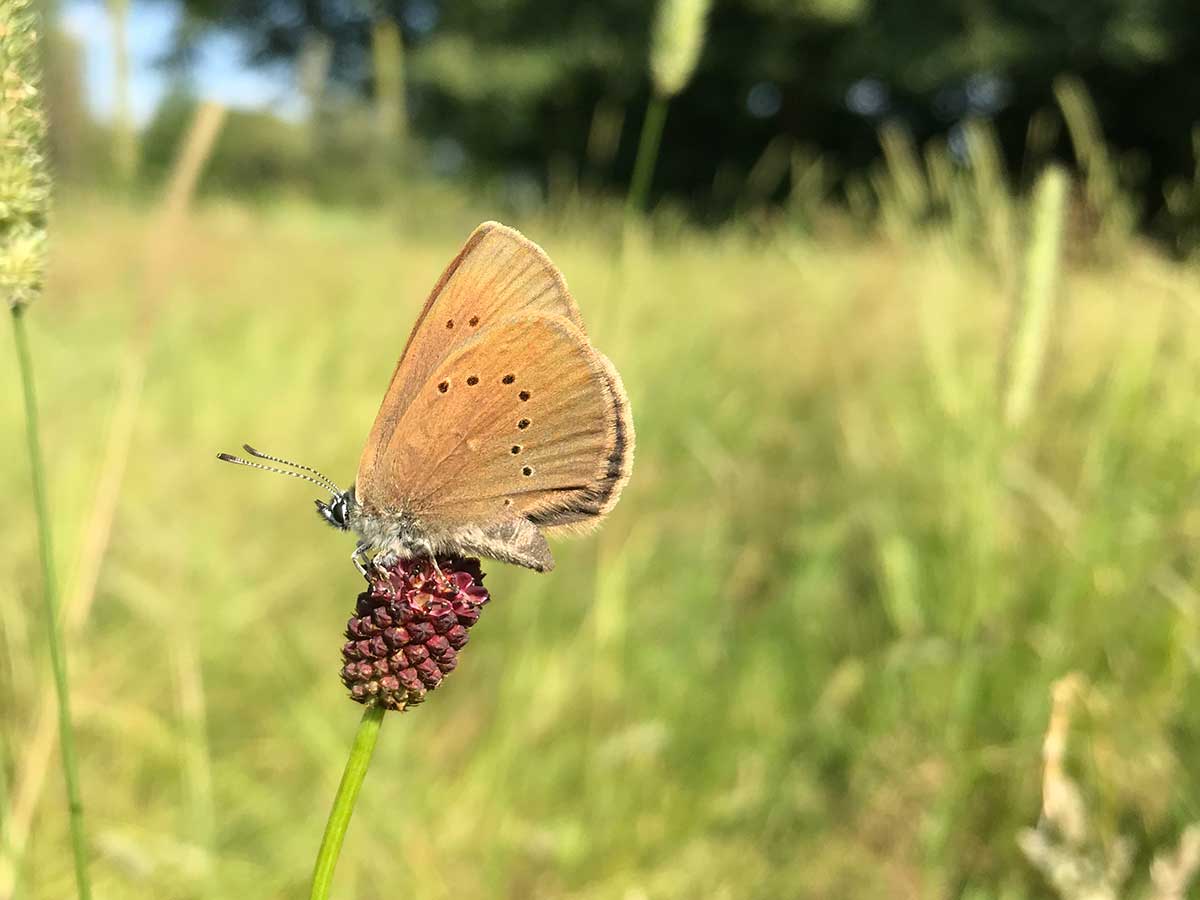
point(502, 423)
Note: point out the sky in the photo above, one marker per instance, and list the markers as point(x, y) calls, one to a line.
point(219, 74)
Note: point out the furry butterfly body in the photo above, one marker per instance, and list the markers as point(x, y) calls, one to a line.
point(501, 422)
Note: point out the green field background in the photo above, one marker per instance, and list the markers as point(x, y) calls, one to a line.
point(811, 653)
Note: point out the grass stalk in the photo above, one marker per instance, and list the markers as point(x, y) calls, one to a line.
point(195, 759)
point(23, 215)
point(678, 38)
point(647, 155)
point(124, 134)
point(1101, 172)
point(58, 658)
point(343, 803)
point(387, 61)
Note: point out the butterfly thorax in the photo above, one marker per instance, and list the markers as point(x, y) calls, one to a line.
point(393, 532)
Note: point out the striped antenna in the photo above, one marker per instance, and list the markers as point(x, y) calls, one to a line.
point(329, 482)
point(229, 457)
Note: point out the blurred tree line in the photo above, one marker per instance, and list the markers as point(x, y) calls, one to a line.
point(555, 92)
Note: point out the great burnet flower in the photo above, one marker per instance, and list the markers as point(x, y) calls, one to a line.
point(407, 629)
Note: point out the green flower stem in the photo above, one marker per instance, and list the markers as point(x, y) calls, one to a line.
point(58, 659)
point(343, 803)
point(647, 156)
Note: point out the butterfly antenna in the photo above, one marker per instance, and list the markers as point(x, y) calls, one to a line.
point(229, 457)
point(295, 465)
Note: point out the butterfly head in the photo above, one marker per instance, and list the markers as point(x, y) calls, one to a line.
point(337, 512)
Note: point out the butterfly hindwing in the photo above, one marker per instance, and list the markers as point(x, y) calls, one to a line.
point(523, 421)
point(582, 512)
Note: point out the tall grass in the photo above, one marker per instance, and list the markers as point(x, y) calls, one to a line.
point(124, 131)
point(810, 654)
point(1076, 861)
point(387, 63)
point(24, 201)
point(676, 42)
point(1031, 334)
point(1113, 208)
point(160, 246)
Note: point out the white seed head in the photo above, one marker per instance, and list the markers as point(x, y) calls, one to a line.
point(22, 264)
point(678, 38)
point(24, 179)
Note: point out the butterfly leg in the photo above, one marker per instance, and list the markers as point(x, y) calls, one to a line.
point(382, 564)
point(358, 557)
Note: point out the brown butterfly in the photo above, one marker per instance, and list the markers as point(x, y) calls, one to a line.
point(501, 423)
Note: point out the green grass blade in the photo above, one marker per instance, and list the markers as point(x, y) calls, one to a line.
point(58, 657)
point(647, 157)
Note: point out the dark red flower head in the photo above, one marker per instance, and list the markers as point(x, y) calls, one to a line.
point(407, 629)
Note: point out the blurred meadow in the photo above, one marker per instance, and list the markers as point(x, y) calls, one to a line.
point(900, 601)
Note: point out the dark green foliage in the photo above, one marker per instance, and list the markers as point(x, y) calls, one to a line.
point(517, 83)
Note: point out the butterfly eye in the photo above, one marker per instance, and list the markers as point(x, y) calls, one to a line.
point(527, 471)
point(473, 380)
point(473, 321)
point(509, 378)
point(523, 424)
point(444, 386)
point(524, 395)
point(335, 513)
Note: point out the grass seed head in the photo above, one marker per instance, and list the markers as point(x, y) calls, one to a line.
point(24, 178)
point(678, 38)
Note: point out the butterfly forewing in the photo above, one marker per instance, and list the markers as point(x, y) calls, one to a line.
point(498, 273)
point(525, 420)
